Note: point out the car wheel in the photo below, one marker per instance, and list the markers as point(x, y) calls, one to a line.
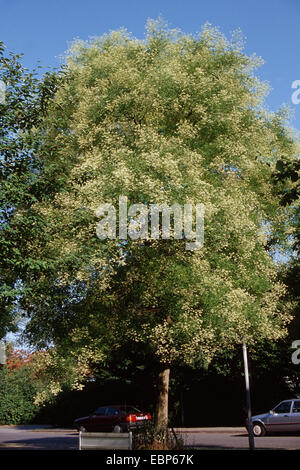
point(258, 430)
point(117, 428)
point(82, 429)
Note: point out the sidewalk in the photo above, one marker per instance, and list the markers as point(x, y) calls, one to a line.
point(224, 429)
point(49, 427)
point(37, 427)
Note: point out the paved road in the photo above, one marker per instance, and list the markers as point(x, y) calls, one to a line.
point(41, 438)
point(37, 438)
point(236, 438)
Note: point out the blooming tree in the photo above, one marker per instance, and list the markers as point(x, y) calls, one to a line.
point(172, 119)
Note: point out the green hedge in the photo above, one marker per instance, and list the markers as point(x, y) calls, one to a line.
point(17, 392)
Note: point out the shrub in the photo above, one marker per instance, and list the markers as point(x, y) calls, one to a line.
point(151, 437)
point(17, 396)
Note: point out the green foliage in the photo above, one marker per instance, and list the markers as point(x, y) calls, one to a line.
point(21, 113)
point(174, 118)
point(287, 183)
point(287, 173)
point(17, 390)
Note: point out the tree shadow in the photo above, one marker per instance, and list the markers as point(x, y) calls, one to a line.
point(42, 443)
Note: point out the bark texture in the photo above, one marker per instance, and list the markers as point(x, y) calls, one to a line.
point(161, 416)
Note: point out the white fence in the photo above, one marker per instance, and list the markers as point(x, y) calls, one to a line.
point(105, 440)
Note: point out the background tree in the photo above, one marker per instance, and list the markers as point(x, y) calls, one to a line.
point(22, 109)
point(170, 119)
point(287, 184)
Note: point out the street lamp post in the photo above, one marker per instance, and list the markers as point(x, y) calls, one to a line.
point(250, 425)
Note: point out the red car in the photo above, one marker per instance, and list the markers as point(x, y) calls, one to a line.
point(116, 418)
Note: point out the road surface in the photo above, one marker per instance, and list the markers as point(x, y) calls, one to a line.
point(37, 438)
point(43, 438)
point(236, 438)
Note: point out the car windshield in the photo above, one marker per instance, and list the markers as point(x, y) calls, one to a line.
point(129, 409)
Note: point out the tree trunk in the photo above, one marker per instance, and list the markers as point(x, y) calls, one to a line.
point(182, 408)
point(161, 415)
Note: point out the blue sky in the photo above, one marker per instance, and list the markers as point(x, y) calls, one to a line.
point(42, 30)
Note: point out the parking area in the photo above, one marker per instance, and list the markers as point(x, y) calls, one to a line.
point(48, 438)
point(236, 438)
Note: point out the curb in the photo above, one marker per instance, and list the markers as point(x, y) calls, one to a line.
point(36, 428)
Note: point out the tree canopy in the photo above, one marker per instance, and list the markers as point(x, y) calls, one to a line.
point(173, 119)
